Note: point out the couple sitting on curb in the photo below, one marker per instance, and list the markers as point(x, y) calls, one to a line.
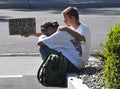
point(72, 41)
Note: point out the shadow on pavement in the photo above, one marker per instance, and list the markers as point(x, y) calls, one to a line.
point(100, 11)
point(82, 11)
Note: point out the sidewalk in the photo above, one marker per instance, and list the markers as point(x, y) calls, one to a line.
point(19, 72)
point(58, 3)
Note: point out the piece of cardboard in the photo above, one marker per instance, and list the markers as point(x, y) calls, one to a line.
point(22, 26)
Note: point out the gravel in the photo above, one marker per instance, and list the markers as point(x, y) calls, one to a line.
point(91, 75)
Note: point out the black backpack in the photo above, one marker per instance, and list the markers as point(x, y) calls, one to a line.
point(52, 71)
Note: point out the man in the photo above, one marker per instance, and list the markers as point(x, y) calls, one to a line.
point(79, 31)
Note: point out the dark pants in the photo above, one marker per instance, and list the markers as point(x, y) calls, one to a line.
point(45, 51)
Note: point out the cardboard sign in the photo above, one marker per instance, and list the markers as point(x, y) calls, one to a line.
point(22, 26)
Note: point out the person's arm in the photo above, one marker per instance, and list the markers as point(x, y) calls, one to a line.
point(35, 34)
point(40, 43)
point(53, 41)
point(73, 33)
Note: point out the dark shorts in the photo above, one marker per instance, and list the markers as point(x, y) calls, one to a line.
point(72, 68)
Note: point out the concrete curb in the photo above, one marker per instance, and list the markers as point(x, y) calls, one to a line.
point(18, 54)
point(77, 83)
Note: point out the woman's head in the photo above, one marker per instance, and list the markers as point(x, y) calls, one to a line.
point(48, 28)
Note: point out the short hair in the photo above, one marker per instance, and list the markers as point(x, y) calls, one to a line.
point(71, 11)
point(46, 25)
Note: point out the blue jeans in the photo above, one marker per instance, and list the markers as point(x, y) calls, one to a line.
point(45, 51)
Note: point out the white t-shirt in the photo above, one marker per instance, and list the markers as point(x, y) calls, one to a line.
point(61, 41)
point(75, 51)
point(41, 37)
point(83, 30)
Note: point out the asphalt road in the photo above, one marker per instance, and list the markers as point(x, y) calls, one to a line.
point(99, 21)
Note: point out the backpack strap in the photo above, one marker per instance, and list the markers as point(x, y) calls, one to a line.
point(40, 70)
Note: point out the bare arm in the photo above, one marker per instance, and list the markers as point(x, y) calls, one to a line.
point(35, 34)
point(73, 33)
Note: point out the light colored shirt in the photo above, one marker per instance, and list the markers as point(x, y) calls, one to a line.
point(84, 31)
point(61, 41)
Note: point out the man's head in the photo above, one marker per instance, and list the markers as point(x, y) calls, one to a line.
point(48, 28)
point(71, 15)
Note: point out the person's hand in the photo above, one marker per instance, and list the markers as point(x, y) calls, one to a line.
point(25, 35)
point(62, 28)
